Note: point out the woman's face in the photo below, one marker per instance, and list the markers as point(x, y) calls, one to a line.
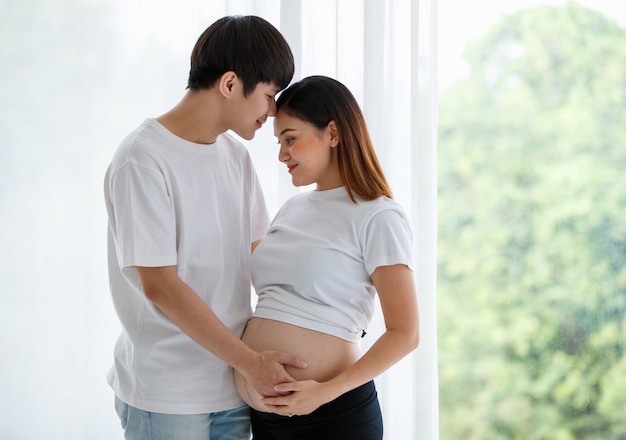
point(308, 152)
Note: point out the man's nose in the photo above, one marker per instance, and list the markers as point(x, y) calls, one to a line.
point(272, 108)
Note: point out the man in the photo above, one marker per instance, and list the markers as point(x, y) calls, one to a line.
point(185, 210)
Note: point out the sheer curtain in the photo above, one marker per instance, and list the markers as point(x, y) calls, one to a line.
point(77, 76)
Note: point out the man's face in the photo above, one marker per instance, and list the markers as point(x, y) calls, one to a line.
point(252, 110)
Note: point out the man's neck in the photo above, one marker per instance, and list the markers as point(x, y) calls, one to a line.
point(195, 118)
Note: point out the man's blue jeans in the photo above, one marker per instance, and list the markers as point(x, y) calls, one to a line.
point(232, 424)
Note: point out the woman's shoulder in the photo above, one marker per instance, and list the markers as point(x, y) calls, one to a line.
point(380, 204)
point(383, 213)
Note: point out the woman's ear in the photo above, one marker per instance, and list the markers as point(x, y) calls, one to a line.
point(226, 83)
point(334, 134)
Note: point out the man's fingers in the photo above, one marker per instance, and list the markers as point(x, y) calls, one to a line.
point(293, 361)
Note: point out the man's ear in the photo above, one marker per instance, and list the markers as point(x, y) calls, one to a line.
point(227, 82)
point(334, 133)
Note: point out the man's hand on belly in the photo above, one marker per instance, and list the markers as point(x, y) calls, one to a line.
point(270, 371)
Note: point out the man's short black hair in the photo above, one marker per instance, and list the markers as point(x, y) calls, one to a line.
point(247, 45)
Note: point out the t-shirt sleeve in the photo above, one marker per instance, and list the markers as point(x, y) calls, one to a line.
point(259, 218)
point(387, 240)
point(144, 218)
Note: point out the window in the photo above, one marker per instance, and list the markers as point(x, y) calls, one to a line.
point(531, 243)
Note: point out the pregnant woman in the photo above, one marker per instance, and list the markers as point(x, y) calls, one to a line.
point(326, 255)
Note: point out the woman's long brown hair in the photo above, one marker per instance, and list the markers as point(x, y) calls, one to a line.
point(319, 100)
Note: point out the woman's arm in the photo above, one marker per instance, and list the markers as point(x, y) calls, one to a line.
point(398, 299)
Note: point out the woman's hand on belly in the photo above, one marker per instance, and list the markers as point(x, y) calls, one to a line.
point(303, 397)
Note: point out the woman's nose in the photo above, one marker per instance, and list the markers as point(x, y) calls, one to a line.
point(283, 154)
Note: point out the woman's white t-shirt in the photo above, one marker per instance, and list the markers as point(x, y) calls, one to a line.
point(313, 267)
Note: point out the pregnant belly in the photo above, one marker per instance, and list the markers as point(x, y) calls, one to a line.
point(325, 355)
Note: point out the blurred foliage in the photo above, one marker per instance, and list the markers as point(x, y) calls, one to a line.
point(532, 237)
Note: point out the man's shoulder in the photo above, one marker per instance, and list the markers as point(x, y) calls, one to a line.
point(138, 146)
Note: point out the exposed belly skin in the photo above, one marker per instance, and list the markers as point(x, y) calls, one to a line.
point(325, 355)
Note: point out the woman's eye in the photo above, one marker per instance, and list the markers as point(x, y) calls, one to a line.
point(289, 141)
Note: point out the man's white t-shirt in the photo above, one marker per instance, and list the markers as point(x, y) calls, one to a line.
point(198, 207)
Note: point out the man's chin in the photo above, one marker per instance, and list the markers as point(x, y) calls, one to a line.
point(247, 135)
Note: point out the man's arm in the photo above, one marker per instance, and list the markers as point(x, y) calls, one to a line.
point(185, 308)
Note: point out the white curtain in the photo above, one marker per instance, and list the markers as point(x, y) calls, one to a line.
point(77, 76)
